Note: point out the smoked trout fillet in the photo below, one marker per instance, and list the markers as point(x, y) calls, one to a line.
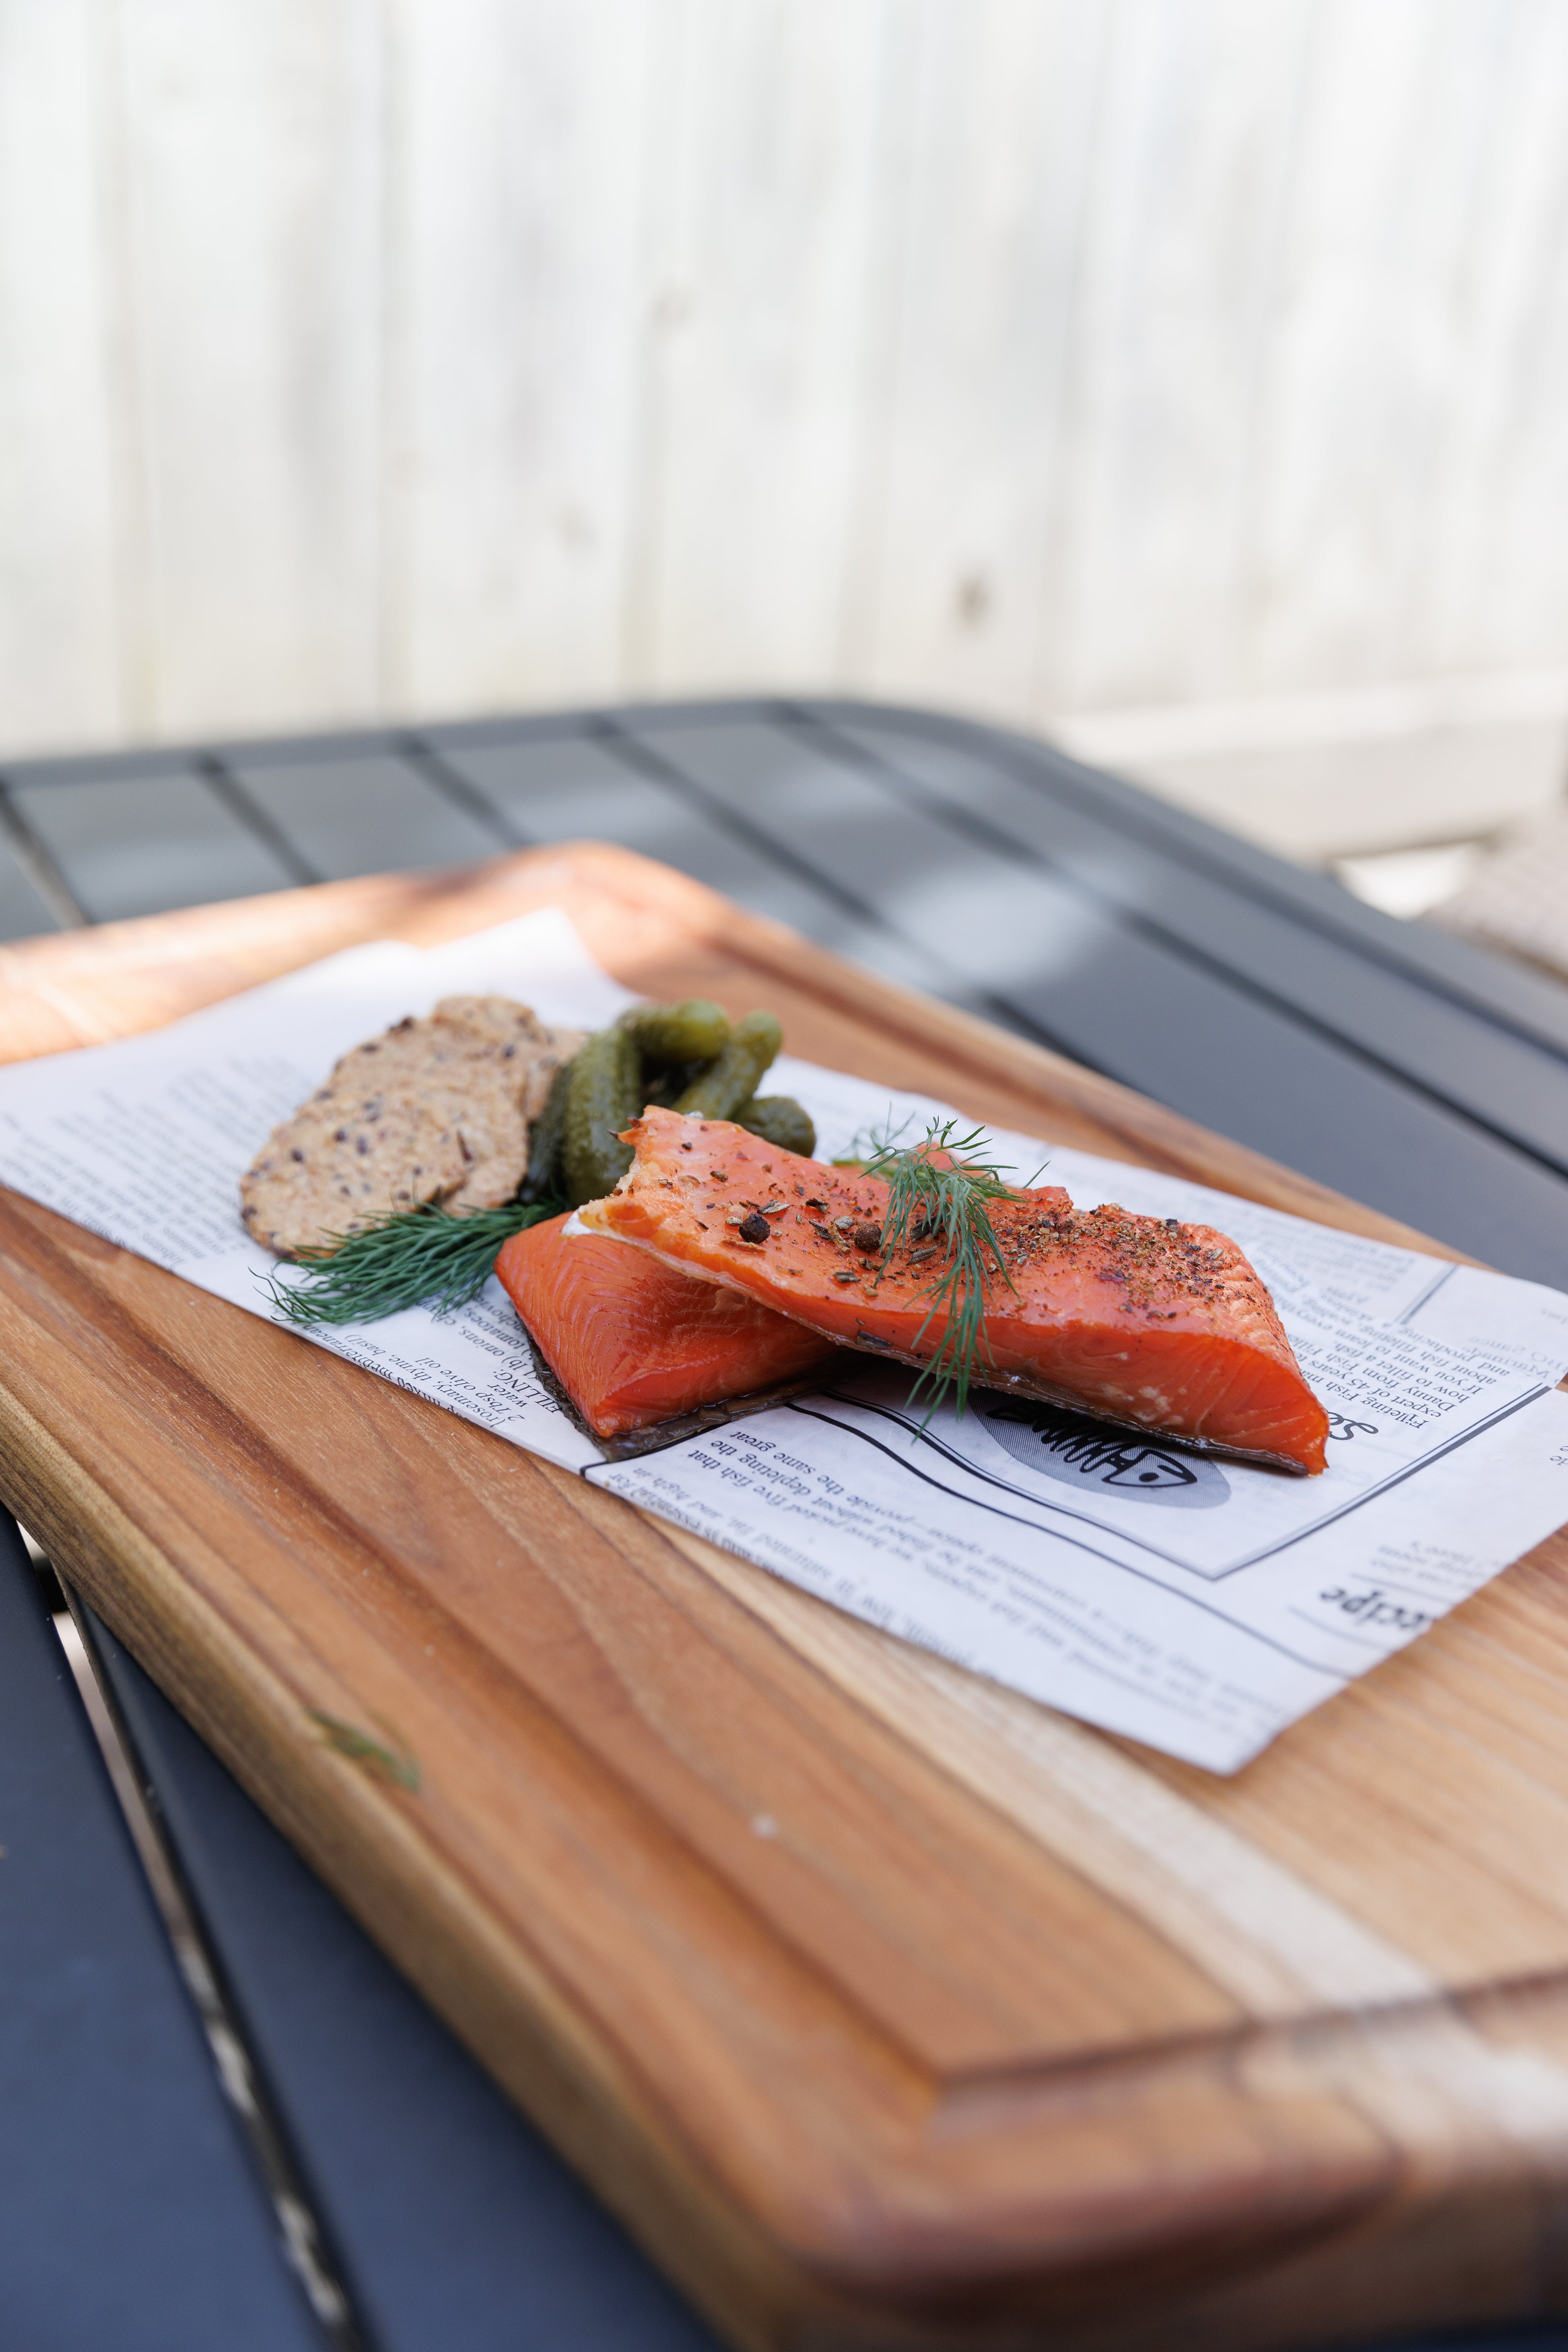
point(633, 1341)
point(1146, 1322)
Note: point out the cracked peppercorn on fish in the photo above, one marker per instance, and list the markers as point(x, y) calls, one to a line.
point(1144, 1321)
point(635, 1342)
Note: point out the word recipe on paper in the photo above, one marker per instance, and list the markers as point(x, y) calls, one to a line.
point(1193, 1604)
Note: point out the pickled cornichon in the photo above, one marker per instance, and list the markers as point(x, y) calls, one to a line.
point(731, 1080)
point(604, 1096)
point(545, 1138)
point(693, 1031)
point(779, 1119)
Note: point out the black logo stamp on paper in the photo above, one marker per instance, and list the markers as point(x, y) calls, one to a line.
point(1077, 1452)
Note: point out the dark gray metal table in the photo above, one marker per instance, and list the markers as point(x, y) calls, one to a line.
point(158, 2185)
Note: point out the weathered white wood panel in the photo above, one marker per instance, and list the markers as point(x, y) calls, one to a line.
point(769, 140)
point(1194, 164)
point(401, 356)
point(519, 323)
point(60, 675)
point(961, 517)
point(253, 146)
point(1417, 196)
point(1087, 287)
point(1499, 580)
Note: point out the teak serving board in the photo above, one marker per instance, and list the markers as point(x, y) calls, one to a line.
point(889, 2008)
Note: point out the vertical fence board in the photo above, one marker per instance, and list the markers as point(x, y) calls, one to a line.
point(59, 644)
point(1195, 155)
point(760, 278)
point(1382, 342)
point(969, 434)
point(1498, 580)
point(516, 345)
point(252, 146)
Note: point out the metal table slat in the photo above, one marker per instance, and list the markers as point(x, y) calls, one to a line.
point(973, 921)
point(583, 788)
point(141, 844)
point(454, 2223)
point(24, 912)
point(1457, 1052)
point(128, 2213)
point(1085, 979)
point(576, 790)
point(1505, 990)
point(364, 813)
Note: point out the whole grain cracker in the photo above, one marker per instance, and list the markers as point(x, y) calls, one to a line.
point(434, 1109)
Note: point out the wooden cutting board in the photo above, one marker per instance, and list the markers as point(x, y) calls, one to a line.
point(887, 2007)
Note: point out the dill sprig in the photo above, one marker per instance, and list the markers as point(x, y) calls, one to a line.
point(939, 1191)
point(411, 1258)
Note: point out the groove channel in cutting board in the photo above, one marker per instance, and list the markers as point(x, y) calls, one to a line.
point(1001, 2019)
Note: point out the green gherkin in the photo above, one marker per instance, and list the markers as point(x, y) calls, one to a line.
point(720, 1092)
point(546, 1137)
point(779, 1119)
point(695, 1030)
point(604, 1096)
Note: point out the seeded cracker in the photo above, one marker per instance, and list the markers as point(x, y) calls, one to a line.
point(433, 1111)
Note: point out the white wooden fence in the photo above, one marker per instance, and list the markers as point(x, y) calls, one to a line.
point(420, 356)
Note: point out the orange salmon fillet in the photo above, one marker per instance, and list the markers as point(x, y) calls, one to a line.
point(633, 1341)
point(1144, 1321)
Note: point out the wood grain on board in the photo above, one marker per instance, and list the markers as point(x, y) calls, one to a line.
point(889, 2008)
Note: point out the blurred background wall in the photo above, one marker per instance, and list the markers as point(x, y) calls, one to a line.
point(1194, 369)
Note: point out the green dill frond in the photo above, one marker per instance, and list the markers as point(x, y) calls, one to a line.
point(412, 1257)
point(939, 1191)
